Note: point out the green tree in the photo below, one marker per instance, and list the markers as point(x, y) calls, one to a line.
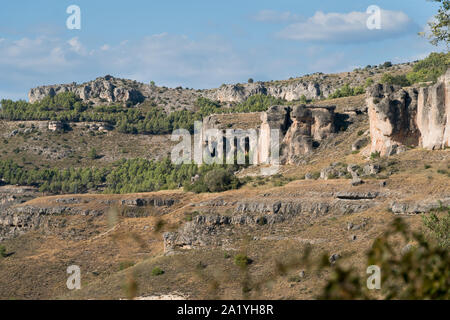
point(430, 68)
point(93, 154)
point(441, 24)
point(400, 80)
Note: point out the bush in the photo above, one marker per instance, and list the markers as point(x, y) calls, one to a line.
point(369, 82)
point(399, 80)
point(125, 265)
point(347, 91)
point(430, 68)
point(242, 261)
point(421, 273)
point(375, 155)
point(2, 251)
point(214, 179)
point(157, 271)
point(438, 225)
point(93, 154)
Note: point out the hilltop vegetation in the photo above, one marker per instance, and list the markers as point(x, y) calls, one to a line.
point(146, 119)
point(429, 69)
point(124, 176)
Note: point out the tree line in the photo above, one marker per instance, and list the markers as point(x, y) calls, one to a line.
point(123, 176)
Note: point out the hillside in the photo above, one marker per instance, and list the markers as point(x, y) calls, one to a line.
point(97, 188)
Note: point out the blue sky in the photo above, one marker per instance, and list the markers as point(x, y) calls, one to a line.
point(201, 43)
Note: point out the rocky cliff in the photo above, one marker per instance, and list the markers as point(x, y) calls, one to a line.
point(292, 130)
point(309, 124)
point(402, 117)
point(433, 114)
point(104, 89)
point(289, 92)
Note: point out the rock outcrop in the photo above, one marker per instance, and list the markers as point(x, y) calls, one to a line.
point(392, 114)
point(433, 114)
point(290, 91)
point(282, 133)
point(417, 207)
point(276, 119)
point(309, 124)
point(102, 90)
point(402, 117)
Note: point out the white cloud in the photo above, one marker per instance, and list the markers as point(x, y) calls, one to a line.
point(171, 60)
point(348, 27)
point(32, 54)
point(177, 59)
point(76, 46)
point(271, 16)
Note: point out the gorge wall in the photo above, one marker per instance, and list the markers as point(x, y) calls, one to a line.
point(288, 131)
point(409, 117)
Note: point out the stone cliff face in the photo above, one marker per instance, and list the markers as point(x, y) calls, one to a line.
point(276, 118)
point(433, 114)
point(309, 124)
point(288, 131)
point(409, 117)
point(104, 89)
point(289, 92)
point(392, 114)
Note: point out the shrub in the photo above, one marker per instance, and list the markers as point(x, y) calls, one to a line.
point(125, 265)
point(421, 273)
point(438, 225)
point(93, 154)
point(369, 82)
point(157, 271)
point(430, 68)
point(214, 179)
point(375, 155)
point(399, 80)
point(316, 175)
point(2, 251)
point(219, 180)
point(242, 261)
point(347, 91)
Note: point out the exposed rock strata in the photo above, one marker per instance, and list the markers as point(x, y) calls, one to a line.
point(290, 91)
point(403, 117)
point(104, 89)
point(282, 133)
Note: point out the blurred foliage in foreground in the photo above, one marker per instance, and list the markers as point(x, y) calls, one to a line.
point(418, 272)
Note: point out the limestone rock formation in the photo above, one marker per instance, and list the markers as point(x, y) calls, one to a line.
point(309, 124)
point(276, 119)
point(290, 92)
point(281, 134)
point(402, 117)
point(433, 114)
point(104, 89)
point(392, 113)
